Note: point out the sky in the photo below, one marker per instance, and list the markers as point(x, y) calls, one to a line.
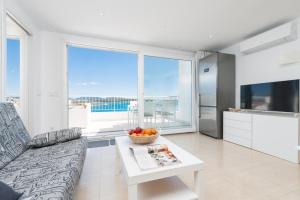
point(101, 73)
point(13, 68)
point(161, 76)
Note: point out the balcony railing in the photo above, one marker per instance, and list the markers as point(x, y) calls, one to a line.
point(113, 104)
point(106, 114)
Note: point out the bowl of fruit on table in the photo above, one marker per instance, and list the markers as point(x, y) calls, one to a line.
point(143, 136)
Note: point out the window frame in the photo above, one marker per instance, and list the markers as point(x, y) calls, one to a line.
point(141, 52)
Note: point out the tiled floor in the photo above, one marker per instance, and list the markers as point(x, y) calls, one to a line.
point(231, 172)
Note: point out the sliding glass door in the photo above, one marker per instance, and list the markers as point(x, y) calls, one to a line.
point(104, 95)
point(167, 93)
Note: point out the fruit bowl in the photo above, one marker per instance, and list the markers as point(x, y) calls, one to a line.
point(143, 136)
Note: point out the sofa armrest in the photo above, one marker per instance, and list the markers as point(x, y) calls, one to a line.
point(54, 137)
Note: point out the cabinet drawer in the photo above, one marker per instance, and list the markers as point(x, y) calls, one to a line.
point(237, 132)
point(238, 124)
point(237, 140)
point(238, 116)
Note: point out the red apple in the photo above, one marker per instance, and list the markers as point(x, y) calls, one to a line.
point(138, 130)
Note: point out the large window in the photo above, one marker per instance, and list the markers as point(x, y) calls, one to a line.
point(167, 93)
point(102, 89)
point(12, 90)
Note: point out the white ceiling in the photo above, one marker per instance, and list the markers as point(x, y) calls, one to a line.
point(179, 24)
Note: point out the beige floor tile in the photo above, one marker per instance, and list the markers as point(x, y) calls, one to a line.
point(294, 195)
point(231, 172)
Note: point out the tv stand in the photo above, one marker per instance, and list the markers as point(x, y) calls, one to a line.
point(274, 113)
point(273, 133)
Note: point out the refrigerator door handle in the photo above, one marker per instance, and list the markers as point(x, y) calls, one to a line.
point(199, 105)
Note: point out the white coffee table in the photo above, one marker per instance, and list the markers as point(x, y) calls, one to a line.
point(161, 183)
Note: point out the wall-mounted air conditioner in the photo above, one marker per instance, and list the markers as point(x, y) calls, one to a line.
point(281, 34)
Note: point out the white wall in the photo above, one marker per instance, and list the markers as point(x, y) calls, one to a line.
point(52, 84)
point(264, 66)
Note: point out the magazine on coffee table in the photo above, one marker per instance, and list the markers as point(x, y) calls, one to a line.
point(153, 156)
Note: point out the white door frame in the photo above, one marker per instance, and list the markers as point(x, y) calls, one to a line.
point(141, 90)
point(3, 48)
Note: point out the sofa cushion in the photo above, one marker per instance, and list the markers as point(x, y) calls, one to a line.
point(14, 137)
point(8, 193)
point(54, 137)
point(47, 173)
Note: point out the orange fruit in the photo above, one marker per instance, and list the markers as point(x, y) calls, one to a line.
point(147, 131)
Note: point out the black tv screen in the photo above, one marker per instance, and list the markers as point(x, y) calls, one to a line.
point(280, 96)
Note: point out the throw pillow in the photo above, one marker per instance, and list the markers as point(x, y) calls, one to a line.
point(65, 135)
point(54, 137)
point(43, 140)
point(8, 193)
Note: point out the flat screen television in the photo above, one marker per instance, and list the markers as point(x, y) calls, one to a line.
point(280, 96)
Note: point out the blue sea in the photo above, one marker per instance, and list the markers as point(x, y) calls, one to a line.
point(110, 107)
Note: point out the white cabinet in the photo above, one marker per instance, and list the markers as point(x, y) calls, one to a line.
point(237, 128)
point(274, 134)
point(277, 136)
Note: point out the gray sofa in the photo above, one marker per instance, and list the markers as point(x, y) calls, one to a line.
point(50, 172)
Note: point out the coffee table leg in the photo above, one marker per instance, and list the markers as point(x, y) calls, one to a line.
point(198, 185)
point(132, 192)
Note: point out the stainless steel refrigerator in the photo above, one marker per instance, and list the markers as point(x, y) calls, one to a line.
point(216, 91)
